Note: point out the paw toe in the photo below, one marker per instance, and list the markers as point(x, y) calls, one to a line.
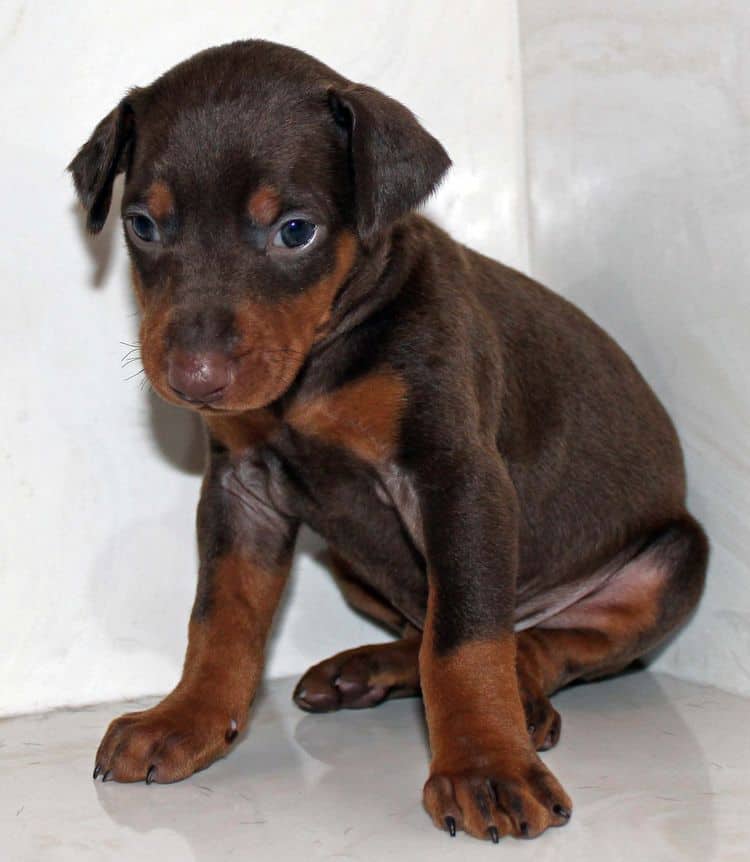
point(162, 746)
point(334, 685)
point(315, 694)
point(544, 723)
point(492, 807)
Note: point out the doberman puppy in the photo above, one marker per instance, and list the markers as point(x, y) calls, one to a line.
point(495, 480)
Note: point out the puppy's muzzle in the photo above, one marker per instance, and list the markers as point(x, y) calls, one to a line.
point(200, 378)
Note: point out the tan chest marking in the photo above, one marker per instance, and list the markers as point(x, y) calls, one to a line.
point(243, 432)
point(362, 416)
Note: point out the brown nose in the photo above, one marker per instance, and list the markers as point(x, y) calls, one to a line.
point(199, 377)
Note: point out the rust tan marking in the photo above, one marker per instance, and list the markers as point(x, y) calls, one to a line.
point(193, 725)
point(159, 199)
point(548, 657)
point(157, 313)
point(278, 335)
point(362, 416)
point(471, 696)
point(600, 634)
point(394, 663)
point(243, 600)
point(473, 702)
point(244, 431)
point(360, 677)
point(140, 294)
point(264, 206)
point(321, 296)
point(479, 739)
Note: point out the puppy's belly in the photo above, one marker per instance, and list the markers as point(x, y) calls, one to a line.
point(342, 499)
point(534, 608)
point(371, 518)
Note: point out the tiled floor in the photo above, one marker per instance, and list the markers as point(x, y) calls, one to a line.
point(658, 770)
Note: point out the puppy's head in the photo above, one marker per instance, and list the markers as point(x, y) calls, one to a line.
point(255, 177)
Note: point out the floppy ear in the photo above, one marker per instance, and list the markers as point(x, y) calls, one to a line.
point(99, 161)
point(395, 163)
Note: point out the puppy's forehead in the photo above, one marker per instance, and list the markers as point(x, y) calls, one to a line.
point(252, 96)
point(235, 148)
point(270, 130)
point(236, 120)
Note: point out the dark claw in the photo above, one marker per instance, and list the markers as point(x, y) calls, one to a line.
point(450, 825)
point(231, 734)
point(150, 774)
point(97, 771)
point(525, 829)
point(562, 812)
point(106, 775)
point(494, 834)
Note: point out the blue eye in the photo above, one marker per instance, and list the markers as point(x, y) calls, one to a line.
point(295, 233)
point(144, 227)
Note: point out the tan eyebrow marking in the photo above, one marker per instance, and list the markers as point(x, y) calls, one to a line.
point(159, 199)
point(264, 205)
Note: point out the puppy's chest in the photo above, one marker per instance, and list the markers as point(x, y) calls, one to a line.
point(327, 487)
point(330, 460)
point(360, 418)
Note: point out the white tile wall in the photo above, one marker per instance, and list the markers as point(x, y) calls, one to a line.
point(638, 158)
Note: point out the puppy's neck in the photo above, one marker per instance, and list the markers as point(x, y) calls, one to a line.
point(377, 277)
point(361, 321)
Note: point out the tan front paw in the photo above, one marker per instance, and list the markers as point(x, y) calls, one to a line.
point(497, 796)
point(164, 744)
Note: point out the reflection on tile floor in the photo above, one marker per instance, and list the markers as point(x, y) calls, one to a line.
point(658, 770)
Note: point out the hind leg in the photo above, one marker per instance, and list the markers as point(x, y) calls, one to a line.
point(368, 675)
point(362, 677)
point(639, 607)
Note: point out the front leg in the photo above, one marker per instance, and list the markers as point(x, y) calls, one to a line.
point(485, 776)
point(245, 548)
